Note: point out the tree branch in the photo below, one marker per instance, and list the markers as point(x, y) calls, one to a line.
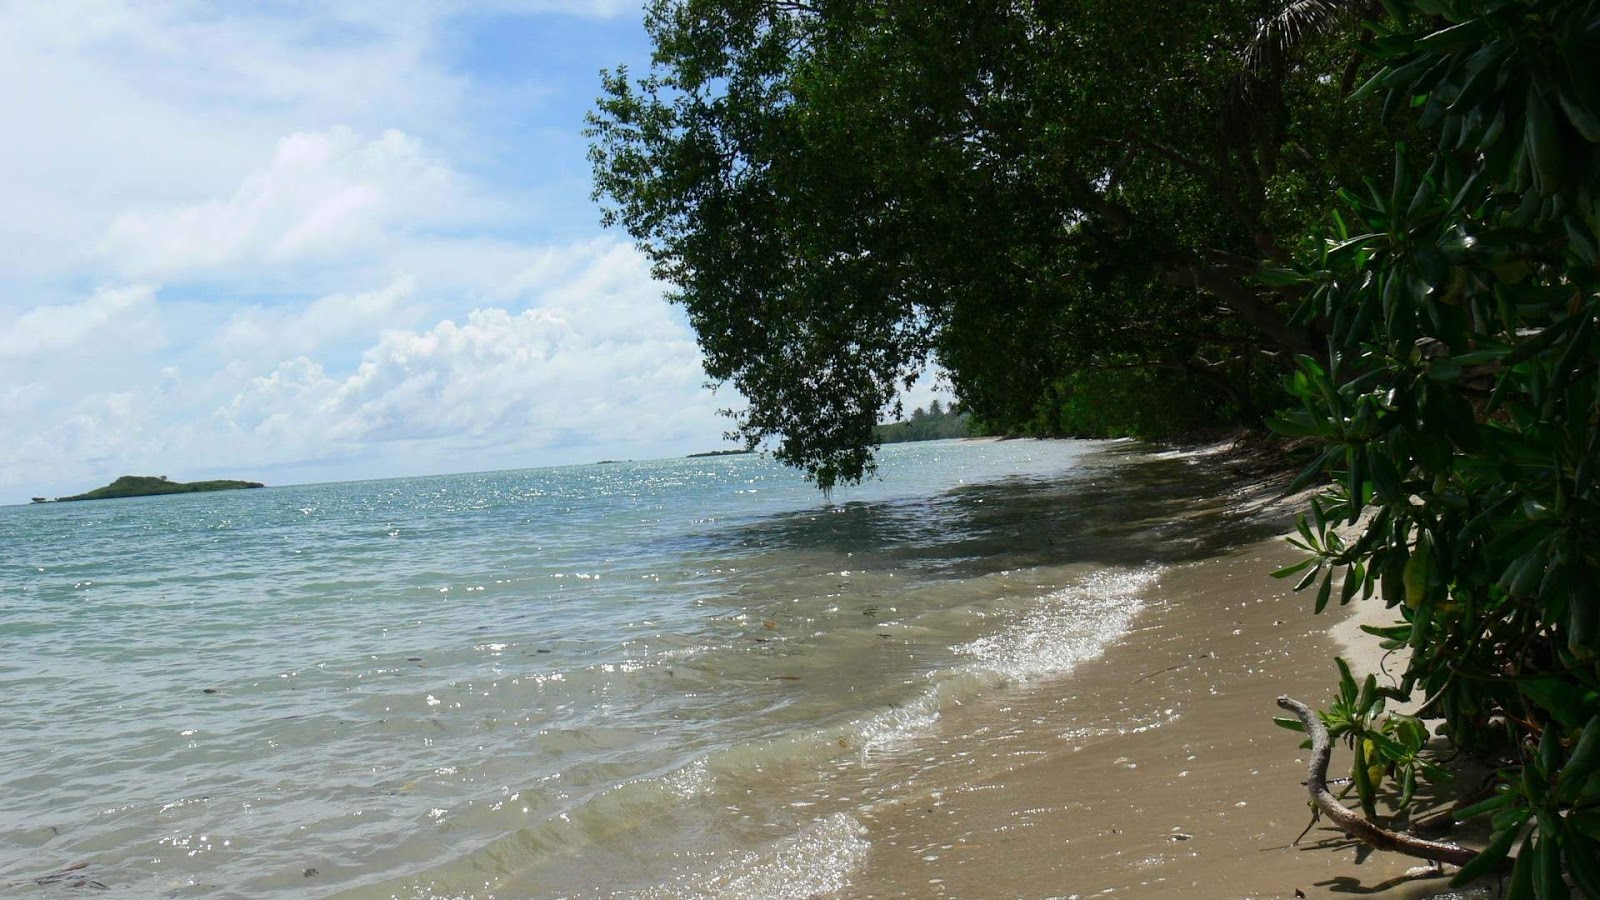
point(1244, 303)
point(1359, 826)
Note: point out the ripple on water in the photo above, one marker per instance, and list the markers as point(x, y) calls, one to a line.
point(385, 681)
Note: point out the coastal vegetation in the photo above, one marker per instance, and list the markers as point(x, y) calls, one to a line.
point(1457, 409)
point(152, 485)
point(936, 423)
point(839, 192)
point(1373, 224)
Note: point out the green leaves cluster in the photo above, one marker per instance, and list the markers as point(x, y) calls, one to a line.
point(838, 191)
point(1458, 406)
point(1384, 746)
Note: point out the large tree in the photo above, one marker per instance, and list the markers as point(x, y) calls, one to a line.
point(839, 191)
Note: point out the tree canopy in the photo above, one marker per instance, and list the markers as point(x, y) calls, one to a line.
point(840, 191)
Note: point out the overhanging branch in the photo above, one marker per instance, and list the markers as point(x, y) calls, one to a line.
point(1244, 303)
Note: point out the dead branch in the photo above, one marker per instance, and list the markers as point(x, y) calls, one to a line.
point(1359, 827)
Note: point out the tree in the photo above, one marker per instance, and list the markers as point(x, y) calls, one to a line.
point(838, 190)
point(1458, 410)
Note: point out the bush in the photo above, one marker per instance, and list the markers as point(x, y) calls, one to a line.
point(1458, 408)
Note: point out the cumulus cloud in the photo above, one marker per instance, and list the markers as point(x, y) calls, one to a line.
point(359, 234)
point(583, 358)
point(47, 329)
point(147, 104)
point(331, 318)
point(322, 196)
point(601, 356)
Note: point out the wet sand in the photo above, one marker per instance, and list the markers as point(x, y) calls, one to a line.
point(1153, 771)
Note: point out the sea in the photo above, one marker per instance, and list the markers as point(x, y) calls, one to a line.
point(661, 679)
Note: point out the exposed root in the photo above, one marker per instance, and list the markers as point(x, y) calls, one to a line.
point(1359, 827)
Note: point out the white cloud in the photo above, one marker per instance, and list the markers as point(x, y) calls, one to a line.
point(256, 330)
point(48, 329)
point(361, 236)
point(138, 105)
point(323, 196)
point(601, 356)
point(583, 360)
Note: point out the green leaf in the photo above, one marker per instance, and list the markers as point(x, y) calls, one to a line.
point(1350, 584)
point(1584, 761)
point(1585, 120)
point(1286, 571)
point(1456, 37)
point(1369, 693)
point(1568, 703)
point(1540, 342)
point(1497, 802)
point(1365, 789)
point(1308, 578)
point(1586, 821)
point(1488, 859)
point(1521, 886)
point(1311, 472)
point(1583, 861)
point(1547, 881)
point(1347, 681)
point(1371, 85)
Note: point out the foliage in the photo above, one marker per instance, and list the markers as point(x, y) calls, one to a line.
point(1139, 403)
point(937, 423)
point(1382, 745)
point(837, 190)
point(152, 485)
point(1458, 407)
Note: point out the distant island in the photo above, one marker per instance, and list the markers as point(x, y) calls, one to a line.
point(152, 485)
point(719, 453)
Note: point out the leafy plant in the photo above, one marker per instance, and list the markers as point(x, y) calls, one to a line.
point(1458, 407)
point(1383, 746)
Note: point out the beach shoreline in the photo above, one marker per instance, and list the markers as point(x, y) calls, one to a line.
point(1155, 769)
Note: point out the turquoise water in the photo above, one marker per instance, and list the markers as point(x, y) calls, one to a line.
point(670, 678)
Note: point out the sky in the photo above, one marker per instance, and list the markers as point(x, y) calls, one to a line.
point(311, 241)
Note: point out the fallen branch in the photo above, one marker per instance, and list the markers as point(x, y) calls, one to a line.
point(1359, 827)
point(1171, 668)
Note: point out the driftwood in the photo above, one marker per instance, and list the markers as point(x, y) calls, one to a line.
point(1360, 827)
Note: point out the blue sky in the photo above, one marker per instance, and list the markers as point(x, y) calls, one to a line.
point(305, 241)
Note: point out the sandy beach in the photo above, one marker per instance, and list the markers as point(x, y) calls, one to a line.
point(1155, 770)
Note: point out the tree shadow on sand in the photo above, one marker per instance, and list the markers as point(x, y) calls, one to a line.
point(1121, 506)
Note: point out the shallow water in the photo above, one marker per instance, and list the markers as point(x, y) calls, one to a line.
point(659, 679)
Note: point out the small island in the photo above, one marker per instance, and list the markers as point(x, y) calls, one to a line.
point(152, 485)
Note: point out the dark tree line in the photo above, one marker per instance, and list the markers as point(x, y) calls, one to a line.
point(933, 424)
